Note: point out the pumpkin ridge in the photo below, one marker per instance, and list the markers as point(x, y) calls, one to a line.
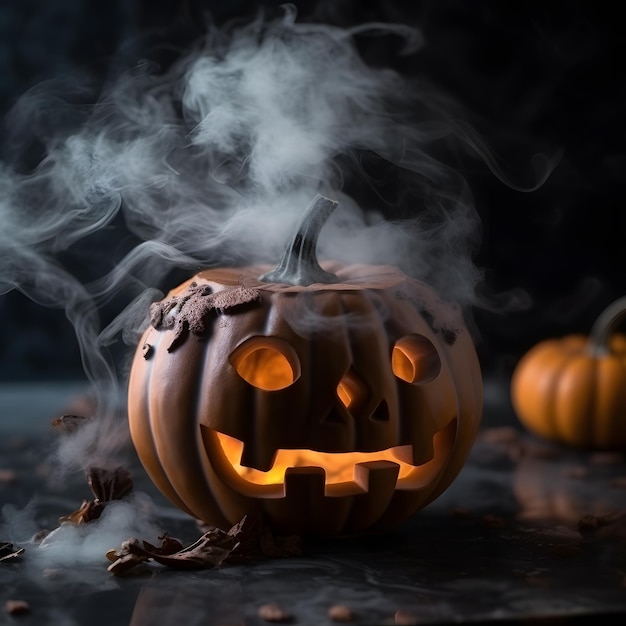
point(175, 402)
point(200, 447)
point(552, 396)
point(578, 374)
point(595, 399)
point(544, 416)
point(469, 399)
point(620, 415)
point(164, 481)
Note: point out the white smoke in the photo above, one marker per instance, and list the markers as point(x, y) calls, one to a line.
point(213, 160)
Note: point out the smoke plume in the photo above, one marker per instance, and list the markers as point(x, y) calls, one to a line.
point(213, 159)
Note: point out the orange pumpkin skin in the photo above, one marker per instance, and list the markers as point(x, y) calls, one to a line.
point(180, 397)
point(573, 390)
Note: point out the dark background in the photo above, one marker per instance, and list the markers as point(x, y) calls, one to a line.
point(531, 77)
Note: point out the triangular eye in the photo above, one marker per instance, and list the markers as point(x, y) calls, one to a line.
point(415, 359)
point(268, 363)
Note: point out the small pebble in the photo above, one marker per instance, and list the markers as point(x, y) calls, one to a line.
point(607, 458)
point(273, 613)
point(7, 476)
point(340, 613)
point(16, 607)
point(404, 618)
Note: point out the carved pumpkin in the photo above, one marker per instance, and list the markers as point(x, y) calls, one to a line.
point(573, 389)
point(331, 400)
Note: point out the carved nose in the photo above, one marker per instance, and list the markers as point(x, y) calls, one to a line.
point(353, 392)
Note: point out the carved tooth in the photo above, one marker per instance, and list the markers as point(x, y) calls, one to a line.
point(253, 456)
point(305, 485)
point(378, 478)
point(415, 454)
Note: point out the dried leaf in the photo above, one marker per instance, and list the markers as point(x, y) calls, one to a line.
point(88, 511)
point(8, 552)
point(256, 541)
point(247, 540)
point(68, 424)
point(107, 485)
point(169, 545)
point(207, 552)
point(126, 564)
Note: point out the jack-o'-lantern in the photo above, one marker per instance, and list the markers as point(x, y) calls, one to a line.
point(571, 389)
point(332, 399)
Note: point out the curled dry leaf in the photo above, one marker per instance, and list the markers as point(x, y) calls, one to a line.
point(256, 541)
point(8, 552)
point(106, 485)
point(246, 541)
point(169, 545)
point(88, 511)
point(68, 424)
point(207, 552)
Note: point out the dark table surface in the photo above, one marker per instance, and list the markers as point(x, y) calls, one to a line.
point(528, 533)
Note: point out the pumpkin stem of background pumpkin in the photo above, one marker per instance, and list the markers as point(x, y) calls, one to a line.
point(605, 324)
point(299, 265)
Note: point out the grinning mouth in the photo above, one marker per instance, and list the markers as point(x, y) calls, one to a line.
point(344, 473)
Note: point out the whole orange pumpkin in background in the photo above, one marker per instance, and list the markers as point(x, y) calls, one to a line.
point(330, 400)
point(573, 390)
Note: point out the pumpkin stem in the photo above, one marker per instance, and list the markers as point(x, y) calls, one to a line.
point(299, 265)
point(605, 324)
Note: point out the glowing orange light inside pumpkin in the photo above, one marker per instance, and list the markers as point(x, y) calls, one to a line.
point(352, 391)
point(339, 466)
point(415, 360)
point(271, 364)
point(344, 394)
point(268, 363)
